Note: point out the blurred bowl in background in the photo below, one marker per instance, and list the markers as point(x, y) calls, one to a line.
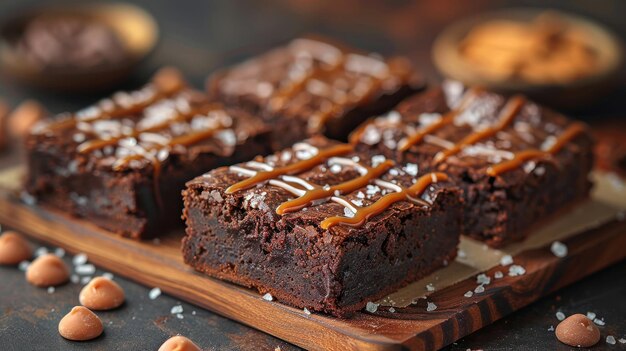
point(558, 59)
point(77, 48)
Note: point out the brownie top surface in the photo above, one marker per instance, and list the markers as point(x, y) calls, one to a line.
point(314, 79)
point(144, 128)
point(471, 131)
point(268, 196)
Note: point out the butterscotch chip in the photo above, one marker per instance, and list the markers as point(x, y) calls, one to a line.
point(80, 324)
point(168, 79)
point(179, 343)
point(577, 330)
point(24, 117)
point(101, 294)
point(14, 249)
point(47, 270)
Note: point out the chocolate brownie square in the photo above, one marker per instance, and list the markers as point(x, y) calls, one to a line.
point(321, 226)
point(123, 162)
point(516, 162)
point(312, 86)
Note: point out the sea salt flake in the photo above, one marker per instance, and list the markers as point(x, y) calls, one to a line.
point(108, 275)
point(479, 289)
point(516, 270)
point(558, 249)
point(591, 315)
point(154, 293)
point(85, 280)
point(179, 316)
point(23, 266)
point(51, 290)
point(59, 252)
point(599, 321)
point(85, 269)
point(431, 307)
point(348, 212)
point(560, 316)
point(430, 287)
point(392, 310)
point(371, 307)
point(622, 340)
point(79, 259)
point(41, 251)
point(506, 260)
point(498, 275)
point(74, 278)
point(610, 340)
point(306, 311)
point(483, 279)
point(176, 309)
point(469, 293)
point(334, 169)
point(268, 297)
point(551, 328)
point(411, 169)
point(378, 159)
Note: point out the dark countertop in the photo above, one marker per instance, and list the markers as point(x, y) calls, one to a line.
point(199, 37)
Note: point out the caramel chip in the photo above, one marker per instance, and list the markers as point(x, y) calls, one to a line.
point(47, 270)
point(13, 249)
point(24, 117)
point(101, 294)
point(577, 330)
point(168, 79)
point(80, 324)
point(179, 343)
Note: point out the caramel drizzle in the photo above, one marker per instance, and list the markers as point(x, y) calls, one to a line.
point(319, 193)
point(293, 168)
point(520, 157)
point(507, 115)
point(445, 120)
point(364, 213)
point(116, 113)
point(95, 144)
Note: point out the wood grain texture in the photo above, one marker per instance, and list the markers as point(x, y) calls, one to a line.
point(407, 328)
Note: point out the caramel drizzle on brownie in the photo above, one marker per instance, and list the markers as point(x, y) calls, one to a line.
point(445, 120)
point(364, 213)
point(522, 156)
point(507, 115)
point(293, 168)
point(310, 193)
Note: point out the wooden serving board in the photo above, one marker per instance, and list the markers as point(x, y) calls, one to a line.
point(411, 327)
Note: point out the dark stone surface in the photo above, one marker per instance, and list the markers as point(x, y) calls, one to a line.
point(202, 36)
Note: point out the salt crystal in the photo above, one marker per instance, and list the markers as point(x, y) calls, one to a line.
point(85, 280)
point(85, 269)
point(378, 159)
point(193, 313)
point(430, 287)
point(334, 169)
point(154, 293)
point(371, 307)
point(108, 275)
point(551, 328)
point(483, 279)
point(41, 251)
point(268, 297)
point(506, 260)
point(176, 309)
point(591, 315)
point(360, 195)
point(392, 310)
point(560, 316)
point(79, 259)
point(610, 340)
point(599, 321)
point(179, 316)
point(622, 340)
point(394, 172)
point(516, 270)
point(498, 275)
point(23, 266)
point(431, 307)
point(59, 252)
point(411, 169)
point(51, 290)
point(469, 293)
point(306, 311)
point(479, 289)
point(558, 249)
point(348, 212)
point(74, 278)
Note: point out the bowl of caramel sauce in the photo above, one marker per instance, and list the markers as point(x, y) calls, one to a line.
point(560, 59)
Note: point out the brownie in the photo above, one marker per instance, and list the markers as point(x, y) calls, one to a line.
point(123, 162)
point(610, 150)
point(516, 162)
point(320, 226)
point(313, 86)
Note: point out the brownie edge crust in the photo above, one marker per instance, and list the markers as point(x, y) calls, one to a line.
point(239, 237)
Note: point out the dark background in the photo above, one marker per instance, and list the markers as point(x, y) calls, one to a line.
point(199, 37)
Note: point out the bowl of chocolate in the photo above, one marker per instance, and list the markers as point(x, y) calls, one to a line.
point(83, 47)
point(563, 60)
